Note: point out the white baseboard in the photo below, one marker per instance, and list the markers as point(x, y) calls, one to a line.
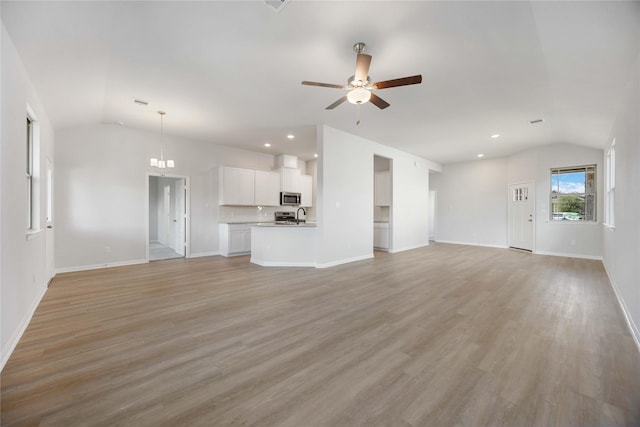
point(408, 248)
point(13, 342)
point(283, 264)
point(567, 255)
point(203, 254)
point(472, 244)
point(98, 266)
point(635, 332)
point(227, 255)
point(344, 261)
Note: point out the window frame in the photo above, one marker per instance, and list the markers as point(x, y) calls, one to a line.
point(590, 197)
point(29, 175)
point(32, 175)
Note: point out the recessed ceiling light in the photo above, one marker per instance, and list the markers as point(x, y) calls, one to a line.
point(480, 156)
point(267, 145)
point(315, 155)
point(290, 136)
point(496, 135)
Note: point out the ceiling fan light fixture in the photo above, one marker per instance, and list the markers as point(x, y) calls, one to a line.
point(359, 95)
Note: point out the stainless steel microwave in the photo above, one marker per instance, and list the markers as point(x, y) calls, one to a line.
point(290, 199)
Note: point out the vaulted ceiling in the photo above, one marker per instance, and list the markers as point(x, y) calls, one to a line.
point(229, 72)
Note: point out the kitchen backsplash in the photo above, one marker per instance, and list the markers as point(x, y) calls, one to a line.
point(256, 213)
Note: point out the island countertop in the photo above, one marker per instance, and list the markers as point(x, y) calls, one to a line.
point(300, 225)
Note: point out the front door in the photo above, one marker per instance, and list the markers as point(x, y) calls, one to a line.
point(521, 220)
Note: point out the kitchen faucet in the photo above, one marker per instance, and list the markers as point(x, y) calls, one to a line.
point(298, 212)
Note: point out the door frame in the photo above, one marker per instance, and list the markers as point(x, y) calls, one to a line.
point(532, 198)
point(187, 202)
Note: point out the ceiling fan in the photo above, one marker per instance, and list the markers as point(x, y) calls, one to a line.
point(360, 86)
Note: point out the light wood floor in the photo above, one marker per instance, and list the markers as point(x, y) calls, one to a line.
point(442, 336)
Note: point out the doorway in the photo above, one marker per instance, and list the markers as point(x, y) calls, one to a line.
point(382, 203)
point(167, 218)
point(433, 194)
point(520, 213)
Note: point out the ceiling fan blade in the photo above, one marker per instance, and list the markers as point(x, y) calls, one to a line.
point(398, 82)
point(324, 85)
point(362, 67)
point(338, 102)
point(378, 102)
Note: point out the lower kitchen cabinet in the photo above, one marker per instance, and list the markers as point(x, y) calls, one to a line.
point(381, 235)
point(235, 239)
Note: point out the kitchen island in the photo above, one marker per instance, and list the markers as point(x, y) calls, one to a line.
point(284, 245)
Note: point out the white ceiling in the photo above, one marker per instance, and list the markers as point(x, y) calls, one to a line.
point(230, 72)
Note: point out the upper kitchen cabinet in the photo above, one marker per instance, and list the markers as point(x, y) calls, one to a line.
point(383, 189)
point(237, 186)
point(267, 188)
point(290, 180)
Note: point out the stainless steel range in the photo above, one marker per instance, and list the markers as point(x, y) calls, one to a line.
point(287, 218)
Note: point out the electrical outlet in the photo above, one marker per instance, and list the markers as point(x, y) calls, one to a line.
point(107, 249)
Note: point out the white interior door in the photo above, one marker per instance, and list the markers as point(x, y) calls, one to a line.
point(521, 220)
point(166, 217)
point(180, 221)
point(50, 251)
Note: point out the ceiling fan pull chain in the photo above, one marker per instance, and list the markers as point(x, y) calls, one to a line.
point(357, 114)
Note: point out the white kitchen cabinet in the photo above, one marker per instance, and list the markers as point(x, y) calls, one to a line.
point(235, 239)
point(290, 180)
point(306, 189)
point(237, 186)
point(383, 189)
point(267, 188)
point(381, 235)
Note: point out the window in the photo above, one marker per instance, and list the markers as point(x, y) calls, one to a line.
point(573, 193)
point(49, 213)
point(32, 168)
point(611, 186)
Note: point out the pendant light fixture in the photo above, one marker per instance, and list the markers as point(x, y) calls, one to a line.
point(161, 163)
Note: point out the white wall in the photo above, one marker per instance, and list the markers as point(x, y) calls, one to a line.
point(101, 192)
point(345, 197)
point(312, 169)
point(579, 239)
point(472, 202)
point(23, 276)
point(622, 245)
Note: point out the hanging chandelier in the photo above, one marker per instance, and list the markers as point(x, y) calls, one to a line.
point(161, 163)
